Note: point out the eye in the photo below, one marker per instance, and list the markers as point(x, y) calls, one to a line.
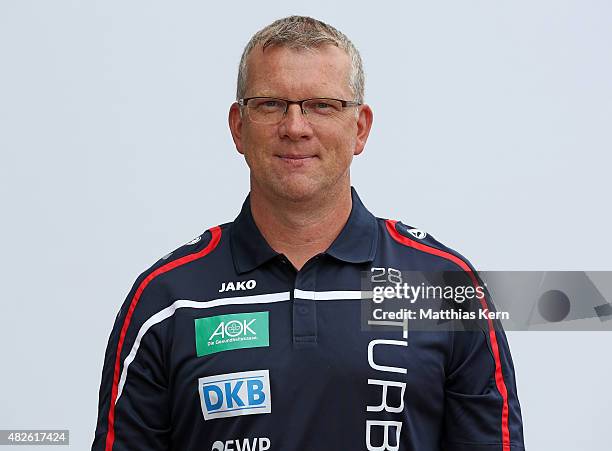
point(269, 105)
point(323, 106)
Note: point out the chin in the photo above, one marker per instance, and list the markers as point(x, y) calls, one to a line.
point(297, 191)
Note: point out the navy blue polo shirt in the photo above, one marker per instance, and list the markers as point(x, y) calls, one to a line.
point(223, 345)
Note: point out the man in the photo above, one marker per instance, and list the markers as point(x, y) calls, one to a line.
point(250, 337)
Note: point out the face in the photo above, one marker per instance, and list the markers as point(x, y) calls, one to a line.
point(295, 160)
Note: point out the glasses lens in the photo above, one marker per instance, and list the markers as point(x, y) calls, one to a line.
point(266, 110)
point(322, 111)
point(323, 107)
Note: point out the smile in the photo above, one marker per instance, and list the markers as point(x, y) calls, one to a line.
point(296, 157)
point(296, 160)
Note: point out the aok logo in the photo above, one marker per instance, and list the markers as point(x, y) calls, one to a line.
point(235, 331)
point(258, 444)
point(237, 286)
point(234, 328)
point(234, 394)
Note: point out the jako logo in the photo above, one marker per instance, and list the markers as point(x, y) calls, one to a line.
point(194, 241)
point(258, 444)
point(236, 286)
point(234, 394)
point(417, 233)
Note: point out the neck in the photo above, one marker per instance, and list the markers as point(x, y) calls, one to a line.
point(301, 229)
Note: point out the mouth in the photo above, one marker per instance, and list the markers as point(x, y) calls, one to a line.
point(296, 157)
point(296, 160)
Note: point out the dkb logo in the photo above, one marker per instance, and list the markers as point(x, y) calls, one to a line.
point(233, 394)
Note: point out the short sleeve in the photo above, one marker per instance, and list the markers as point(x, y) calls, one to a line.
point(482, 410)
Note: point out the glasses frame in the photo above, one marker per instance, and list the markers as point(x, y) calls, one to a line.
point(345, 103)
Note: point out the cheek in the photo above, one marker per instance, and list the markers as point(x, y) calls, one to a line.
point(340, 135)
point(342, 147)
point(255, 142)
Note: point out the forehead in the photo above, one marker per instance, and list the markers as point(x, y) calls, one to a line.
point(298, 73)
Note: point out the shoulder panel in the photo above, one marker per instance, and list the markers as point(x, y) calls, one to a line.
point(194, 246)
point(423, 241)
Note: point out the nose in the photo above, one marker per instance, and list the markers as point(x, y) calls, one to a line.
point(294, 125)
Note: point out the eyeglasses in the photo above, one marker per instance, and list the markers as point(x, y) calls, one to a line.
point(271, 111)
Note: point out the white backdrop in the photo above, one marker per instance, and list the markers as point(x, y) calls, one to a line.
point(491, 131)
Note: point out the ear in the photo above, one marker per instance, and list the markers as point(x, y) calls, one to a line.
point(364, 124)
point(235, 125)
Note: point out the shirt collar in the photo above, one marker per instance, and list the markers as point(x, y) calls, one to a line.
point(356, 243)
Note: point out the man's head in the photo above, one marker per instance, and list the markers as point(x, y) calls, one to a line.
point(298, 156)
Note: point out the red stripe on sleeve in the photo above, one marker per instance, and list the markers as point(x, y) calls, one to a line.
point(216, 236)
point(499, 378)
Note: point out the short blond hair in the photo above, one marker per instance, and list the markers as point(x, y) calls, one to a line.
point(301, 32)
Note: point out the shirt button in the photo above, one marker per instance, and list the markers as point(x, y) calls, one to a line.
point(302, 309)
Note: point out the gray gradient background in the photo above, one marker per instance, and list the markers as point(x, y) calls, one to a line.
point(491, 131)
